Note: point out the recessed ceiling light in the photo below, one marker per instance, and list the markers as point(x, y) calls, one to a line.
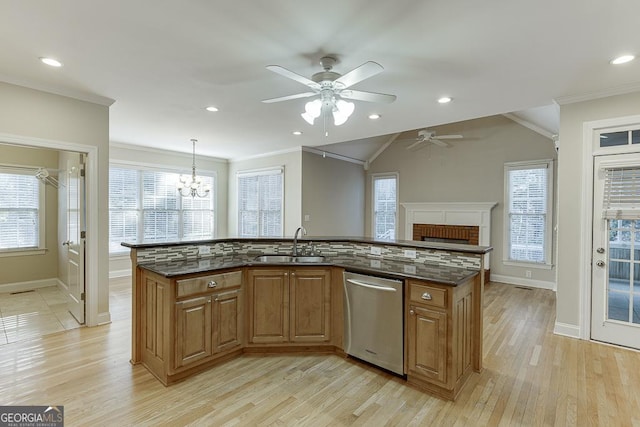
point(374, 116)
point(50, 61)
point(622, 59)
point(212, 109)
point(444, 100)
point(296, 132)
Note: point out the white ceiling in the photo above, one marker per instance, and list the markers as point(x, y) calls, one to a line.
point(164, 61)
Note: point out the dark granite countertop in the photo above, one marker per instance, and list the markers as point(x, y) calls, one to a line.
point(452, 247)
point(367, 265)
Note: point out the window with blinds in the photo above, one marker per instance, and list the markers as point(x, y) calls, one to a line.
point(21, 211)
point(528, 192)
point(621, 193)
point(260, 203)
point(385, 203)
point(144, 205)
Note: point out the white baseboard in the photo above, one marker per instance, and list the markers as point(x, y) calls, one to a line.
point(567, 330)
point(28, 286)
point(119, 273)
point(104, 318)
point(511, 280)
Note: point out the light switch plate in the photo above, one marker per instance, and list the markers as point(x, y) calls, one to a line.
point(410, 269)
point(375, 263)
point(204, 250)
point(376, 250)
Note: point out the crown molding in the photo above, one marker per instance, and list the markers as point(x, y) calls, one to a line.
point(619, 90)
point(324, 153)
point(146, 149)
point(67, 92)
point(263, 155)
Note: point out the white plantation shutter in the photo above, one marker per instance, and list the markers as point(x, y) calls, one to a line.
point(144, 205)
point(384, 206)
point(197, 214)
point(260, 201)
point(528, 206)
point(621, 193)
point(19, 211)
point(124, 202)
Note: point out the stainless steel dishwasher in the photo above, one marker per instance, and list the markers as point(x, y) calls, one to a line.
point(373, 320)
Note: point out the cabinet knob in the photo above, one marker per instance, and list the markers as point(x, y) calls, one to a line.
point(293, 274)
point(426, 296)
point(212, 284)
point(286, 274)
point(411, 312)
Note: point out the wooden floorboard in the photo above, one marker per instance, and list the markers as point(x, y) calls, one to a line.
point(531, 377)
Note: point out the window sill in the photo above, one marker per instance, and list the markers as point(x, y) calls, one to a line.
point(524, 264)
point(22, 252)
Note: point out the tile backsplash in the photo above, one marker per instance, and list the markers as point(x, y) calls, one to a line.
point(328, 248)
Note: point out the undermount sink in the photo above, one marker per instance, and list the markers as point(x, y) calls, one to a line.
point(288, 258)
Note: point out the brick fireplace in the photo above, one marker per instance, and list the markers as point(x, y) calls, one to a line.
point(468, 234)
point(454, 222)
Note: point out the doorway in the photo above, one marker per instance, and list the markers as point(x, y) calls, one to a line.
point(38, 288)
point(615, 287)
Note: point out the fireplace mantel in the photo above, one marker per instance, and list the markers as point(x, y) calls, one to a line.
point(451, 213)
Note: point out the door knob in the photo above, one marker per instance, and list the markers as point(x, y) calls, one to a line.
point(212, 284)
point(600, 250)
point(600, 263)
point(66, 243)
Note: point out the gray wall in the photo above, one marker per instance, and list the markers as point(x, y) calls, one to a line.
point(571, 214)
point(332, 196)
point(27, 268)
point(32, 114)
point(470, 170)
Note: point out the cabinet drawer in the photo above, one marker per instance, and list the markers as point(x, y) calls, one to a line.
point(213, 282)
point(429, 295)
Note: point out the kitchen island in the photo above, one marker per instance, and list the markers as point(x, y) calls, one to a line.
point(196, 304)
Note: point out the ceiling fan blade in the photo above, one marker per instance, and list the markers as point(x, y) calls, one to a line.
point(293, 76)
point(449, 136)
point(415, 144)
point(439, 143)
point(366, 70)
point(367, 96)
point(288, 97)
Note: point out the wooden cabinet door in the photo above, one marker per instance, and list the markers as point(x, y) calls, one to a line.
point(193, 331)
point(427, 344)
point(227, 325)
point(310, 305)
point(268, 306)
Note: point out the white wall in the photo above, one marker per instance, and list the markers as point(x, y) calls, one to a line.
point(292, 163)
point(571, 214)
point(54, 120)
point(332, 196)
point(470, 170)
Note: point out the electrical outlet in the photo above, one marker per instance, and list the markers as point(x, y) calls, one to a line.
point(376, 250)
point(408, 253)
point(375, 263)
point(527, 274)
point(410, 269)
point(307, 218)
point(204, 250)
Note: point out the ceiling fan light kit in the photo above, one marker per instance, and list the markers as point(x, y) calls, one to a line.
point(331, 87)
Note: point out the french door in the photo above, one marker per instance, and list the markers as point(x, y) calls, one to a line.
point(615, 266)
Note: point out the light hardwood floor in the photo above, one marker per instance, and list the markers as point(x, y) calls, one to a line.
point(531, 377)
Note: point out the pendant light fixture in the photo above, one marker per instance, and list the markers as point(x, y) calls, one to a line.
point(194, 187)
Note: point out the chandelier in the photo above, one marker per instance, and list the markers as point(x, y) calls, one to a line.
point(194, 187)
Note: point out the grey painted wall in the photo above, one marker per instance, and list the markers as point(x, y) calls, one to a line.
point(27, 268)
point(571, 214)
point(470, 170)
point(332, 196)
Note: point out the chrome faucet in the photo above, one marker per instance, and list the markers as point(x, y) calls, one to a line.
point(294, 251)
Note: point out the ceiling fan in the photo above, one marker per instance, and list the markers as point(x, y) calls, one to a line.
point(429, 136)
point(332, 89)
